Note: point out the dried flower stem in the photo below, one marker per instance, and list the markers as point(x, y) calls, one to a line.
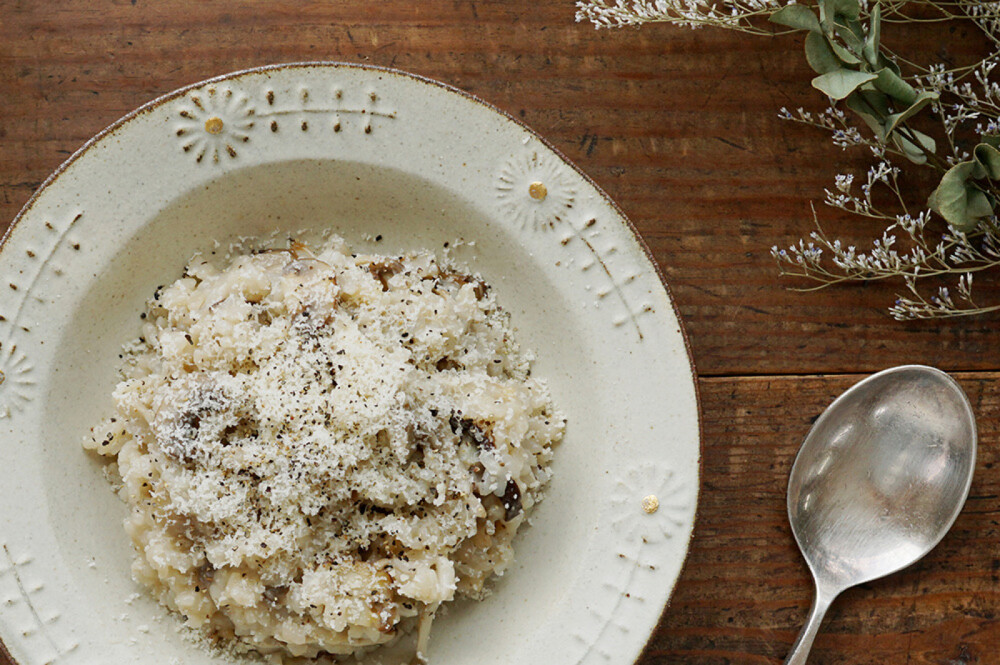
point(963, 101)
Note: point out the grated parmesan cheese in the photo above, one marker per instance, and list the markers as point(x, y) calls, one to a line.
point(319, 450)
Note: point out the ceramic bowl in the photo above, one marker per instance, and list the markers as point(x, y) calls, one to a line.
point(368, 153)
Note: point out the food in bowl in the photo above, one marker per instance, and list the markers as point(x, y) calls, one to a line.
point(319, 449)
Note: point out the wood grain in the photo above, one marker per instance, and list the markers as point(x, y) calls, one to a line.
point(680, 127)
point(745, 590)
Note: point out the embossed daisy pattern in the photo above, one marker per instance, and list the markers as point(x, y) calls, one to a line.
point(17, 380)
point(536, 191)
point(213, 123)
point(650, 505)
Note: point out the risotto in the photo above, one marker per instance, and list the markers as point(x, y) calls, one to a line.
point(319, 449)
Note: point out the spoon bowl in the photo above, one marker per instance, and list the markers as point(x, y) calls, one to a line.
point(879, 480)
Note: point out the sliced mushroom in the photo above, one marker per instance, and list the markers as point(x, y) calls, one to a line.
point(383, 270)
point(511, 500)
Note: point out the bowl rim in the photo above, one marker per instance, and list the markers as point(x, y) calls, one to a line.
point(335, 64)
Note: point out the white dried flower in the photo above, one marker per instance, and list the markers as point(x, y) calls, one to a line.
point(966, 99)
point(844, 181)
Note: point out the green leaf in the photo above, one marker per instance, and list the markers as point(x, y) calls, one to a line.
point(799, 17)
point(893, 85)
point(873, 123)
point(841, 83)
point(826, 16)
point(980, 205)
point(818, 54)
point(843, 53)
point(829, 10)
point(915, 152)
point(922, 100)
point(910, 151)
point(870, 51)
point(960, 202)
point(955, 176)
point(871, 107)
point(991, 139)
point(847, 8)
point(928, 144)
point(978, 170)
point(855, 26)
point(988, 158)
point(883, 61)
point(854, 43)
point(878, 101)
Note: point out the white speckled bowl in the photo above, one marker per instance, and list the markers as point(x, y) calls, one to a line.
point(363, 151)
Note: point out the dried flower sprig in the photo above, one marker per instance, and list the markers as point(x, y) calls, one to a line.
point(739, 15)
point(955, 233)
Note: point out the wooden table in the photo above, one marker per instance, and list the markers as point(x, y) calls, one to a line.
point(680, 128)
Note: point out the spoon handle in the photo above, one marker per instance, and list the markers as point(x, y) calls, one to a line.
point(800, 650)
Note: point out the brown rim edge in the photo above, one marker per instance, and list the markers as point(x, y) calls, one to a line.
point(158, 101)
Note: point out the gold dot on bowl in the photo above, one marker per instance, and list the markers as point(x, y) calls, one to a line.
point(213, 125)
point(650, 504)
point(538, 191)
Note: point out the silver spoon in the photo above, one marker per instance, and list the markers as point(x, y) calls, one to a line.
point(879, 480)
